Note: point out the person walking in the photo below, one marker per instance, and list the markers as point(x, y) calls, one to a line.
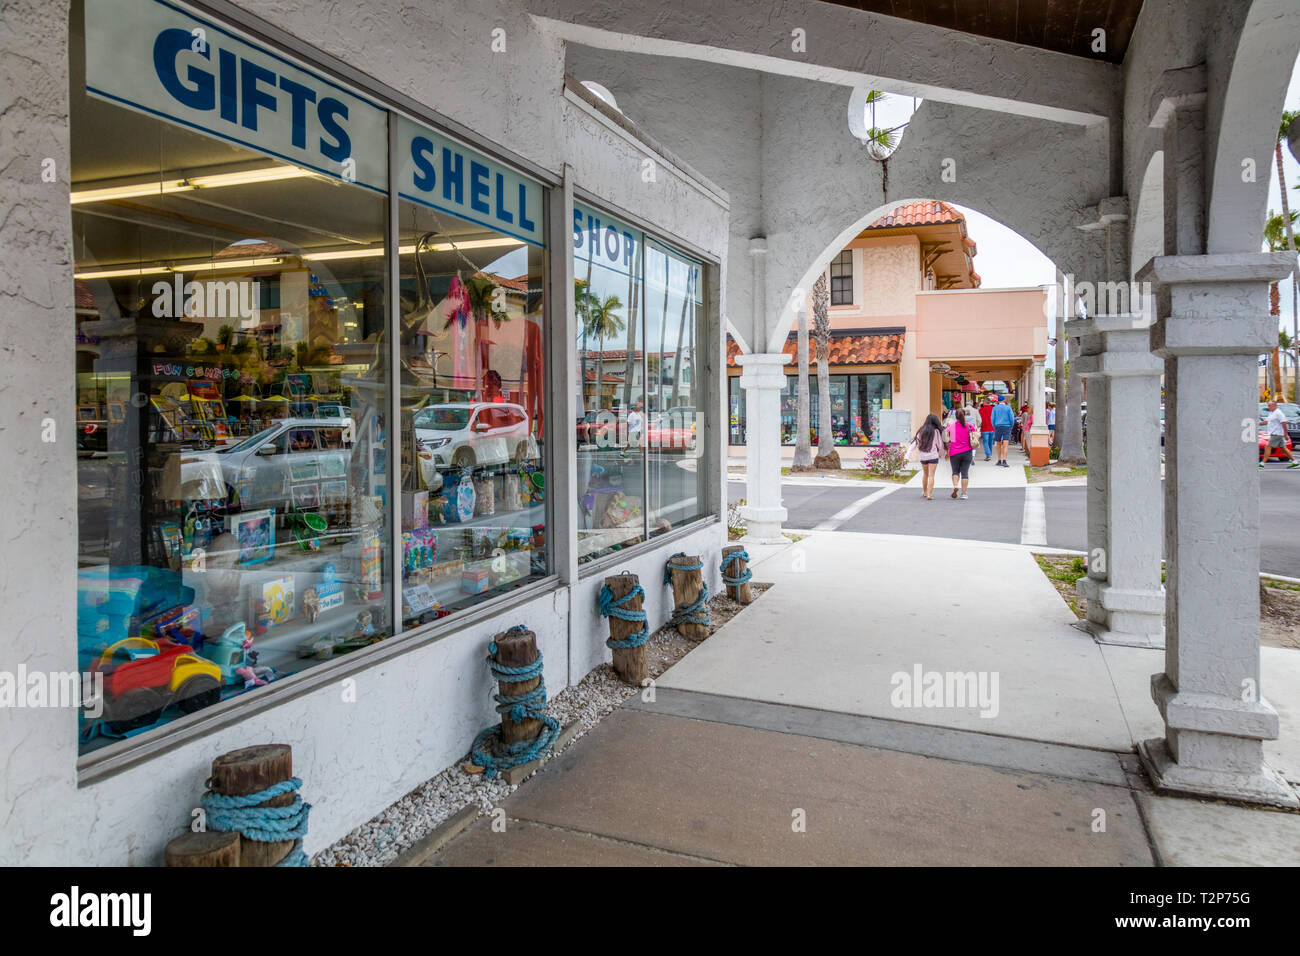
point(1026, 419)
point(1002, 418)
point(1276, 423)
point(986, 427)
point(930, 444)
point(1051, 424)
point(961, 450)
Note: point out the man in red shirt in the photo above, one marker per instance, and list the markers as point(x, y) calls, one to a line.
point(986, 428)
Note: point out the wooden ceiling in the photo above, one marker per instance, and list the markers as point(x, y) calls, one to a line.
point(1065, 26)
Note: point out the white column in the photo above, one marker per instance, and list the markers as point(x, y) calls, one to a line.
point(762, 377)
point(1039, 442)
point(1210, 694)
point(1125, 597)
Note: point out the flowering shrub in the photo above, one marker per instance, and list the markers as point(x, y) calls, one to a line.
point(885, 461)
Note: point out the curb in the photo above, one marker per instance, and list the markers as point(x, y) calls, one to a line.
point(440, 836)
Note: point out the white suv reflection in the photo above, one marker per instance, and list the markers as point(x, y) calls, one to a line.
point(466, 434)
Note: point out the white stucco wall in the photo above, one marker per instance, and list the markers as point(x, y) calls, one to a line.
point(415, 712)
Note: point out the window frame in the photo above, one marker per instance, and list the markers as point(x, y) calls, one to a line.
point(844, 261)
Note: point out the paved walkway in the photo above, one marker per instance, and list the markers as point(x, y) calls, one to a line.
point(805, 731)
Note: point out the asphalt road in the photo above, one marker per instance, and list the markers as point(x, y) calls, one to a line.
point(996, 514)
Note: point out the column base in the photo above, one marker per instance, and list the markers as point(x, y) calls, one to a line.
point(1261, 786)
point(763, 525)
point(1124, 617)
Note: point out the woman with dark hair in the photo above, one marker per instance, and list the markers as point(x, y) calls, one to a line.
point(961, 448)
point(930, 444)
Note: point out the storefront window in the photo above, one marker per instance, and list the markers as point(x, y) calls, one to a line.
point(232, 516)
point(473, 382)
point(640, 429)
point(735, 411)
point(856, 401)
point(612, 425)
point(673, 302)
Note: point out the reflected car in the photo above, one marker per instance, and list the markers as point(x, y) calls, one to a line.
point(280, 467)
point(673, 429)
point(465, 435)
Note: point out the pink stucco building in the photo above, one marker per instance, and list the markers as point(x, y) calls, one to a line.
point(910, 330)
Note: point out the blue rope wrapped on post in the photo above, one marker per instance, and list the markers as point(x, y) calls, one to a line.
point(611, 606)
point(263, 824)
point(727, 561)
point(695, 612)
point(489, 751)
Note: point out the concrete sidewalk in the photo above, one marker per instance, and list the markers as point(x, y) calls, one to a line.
point(800, 713)
point(983, 474)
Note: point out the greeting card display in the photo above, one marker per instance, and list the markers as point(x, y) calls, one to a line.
point(273, 602)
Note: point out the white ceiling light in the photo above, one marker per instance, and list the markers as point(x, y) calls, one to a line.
point(266, 174)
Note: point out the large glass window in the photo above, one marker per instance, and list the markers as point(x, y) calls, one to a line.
point(232, 506)
point(640, 422)
point(856, 401)
point(473, 384)
point(673, 441)
point(235, 329)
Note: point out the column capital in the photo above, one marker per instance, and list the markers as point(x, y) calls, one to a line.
point(1228, 268)
point(758, 246)
point(1115, 345)
point(763, 369)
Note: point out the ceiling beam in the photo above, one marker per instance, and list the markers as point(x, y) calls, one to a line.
point(848, 47)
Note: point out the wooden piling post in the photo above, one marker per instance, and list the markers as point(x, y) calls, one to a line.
point(631, 663)
point(517, 649)
point(740, 593)
point(211, 848)
point(250, 770)
point(687, 586)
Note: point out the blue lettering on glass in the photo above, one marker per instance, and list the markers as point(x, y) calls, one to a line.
point(228, 75)
point(478, 187)
point(524, 221)
point(299, 97)
point(424, 179)
point(166, 46)
point(593, 232)
point(611, 251)
point(577, 229)
point(253, 97)
point(327, 112)
point(453, 173)
point(502, 213)
point(238, 90)
point(627, 249)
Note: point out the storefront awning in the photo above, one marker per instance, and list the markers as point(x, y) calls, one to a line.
point(848, 347)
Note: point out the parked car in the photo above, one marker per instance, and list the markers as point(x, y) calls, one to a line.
point(595, 424)
point(465, 434)
point(1263, 444)
point(673, 429)
point(262, 470)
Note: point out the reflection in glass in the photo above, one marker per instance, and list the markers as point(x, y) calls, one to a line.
point(232, 478)
point(611, 430)
point(472, 430)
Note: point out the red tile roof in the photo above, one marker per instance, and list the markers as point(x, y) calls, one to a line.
point(931, 212)
point(846, 349)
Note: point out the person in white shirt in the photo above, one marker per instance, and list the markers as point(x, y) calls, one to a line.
point(634, 422)
point(1277, 436)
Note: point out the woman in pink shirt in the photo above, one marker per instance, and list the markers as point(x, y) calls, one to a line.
point(961, 436)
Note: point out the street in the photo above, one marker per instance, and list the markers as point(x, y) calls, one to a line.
point(996, 514)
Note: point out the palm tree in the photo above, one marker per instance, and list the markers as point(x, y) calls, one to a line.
point(1277, 235)
point(1288, 117)
point(225, 335)
point(581, 307)
point(826, 455)
point(603, 320)
point(803, 438)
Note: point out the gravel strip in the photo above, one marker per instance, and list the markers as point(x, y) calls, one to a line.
point(380, 840)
